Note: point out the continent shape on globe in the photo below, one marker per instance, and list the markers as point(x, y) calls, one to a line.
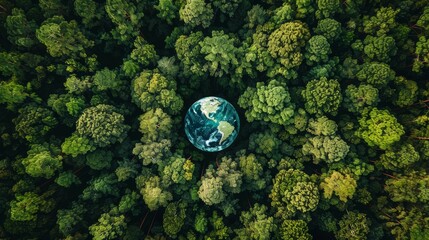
point(212, 124)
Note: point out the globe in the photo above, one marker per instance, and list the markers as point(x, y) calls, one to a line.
point(212, 124)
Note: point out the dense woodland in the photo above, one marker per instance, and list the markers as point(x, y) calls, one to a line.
point(333, 97)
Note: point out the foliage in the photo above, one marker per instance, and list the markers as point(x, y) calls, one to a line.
point(353, 225)
point(269, 103)
point(333, 102)
point(379, 128)
point(285, 44)
point(322, 96)
point(102, 124)
point(294, 229)
point(153, 90)
point(343, 185)
point(257, 224)
point(63, 38)
point(42, 161)
point(174, 218)
point(196, 13)
point(293, 191)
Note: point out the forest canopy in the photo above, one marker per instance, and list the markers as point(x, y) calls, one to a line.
point(333, 98)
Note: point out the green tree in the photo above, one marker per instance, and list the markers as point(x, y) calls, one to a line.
point(329, 28)
point(34, 122)
point(257, 224)
point(269, 103)
point(293, 190)
point(294, 229)
point(326, 148)
point(343, 185)
point(66, 179)
point(154, 195)
point(196, 13)
point(127, 169)
point(102, 124)
point(379, 128)
point(178, 170)
point(153, 152)
point(99, 159)
point(382, 23)
point(188, 51)
point(127, 18)
point(381, 48)
point(106, 79)
point(174, 218)
point(215, 184)
point(89, 10)
point(69, 219)
point(327, 8)
point(406, 92)
point(376, 74)
point(317, 50)
point(25, 207)
point(76, 145)
point(108, 226)
point(201, 222)
point(227, 7)
point(322, 96)
point(353, 225)
point(63, 38)
point(52, 7)
point(399, 157)
point(211, 191)
point(220, 54)
point(285, 43)
point(410, 187)
point(253, 171)
point(42, 161)
point(153, 90)
point(322, 126)
point(357, 98)
point(219, 229)
point(422, 54)
point(142, 55)
point(167, 10)
point(20, 30)
point(284, 13)
point(155, 125)
point(12, 94)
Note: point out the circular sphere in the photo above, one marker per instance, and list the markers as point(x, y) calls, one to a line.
point(212, 124)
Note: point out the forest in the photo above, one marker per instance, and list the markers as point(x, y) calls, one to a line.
point(332, 95)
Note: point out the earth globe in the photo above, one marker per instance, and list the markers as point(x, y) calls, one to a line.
point(212, 124)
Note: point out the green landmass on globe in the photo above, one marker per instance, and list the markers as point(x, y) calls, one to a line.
point(212, 124)
point(226, 129)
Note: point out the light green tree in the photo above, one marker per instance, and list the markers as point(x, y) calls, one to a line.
point(322, 96)
point(342, 185)
point(379, 128)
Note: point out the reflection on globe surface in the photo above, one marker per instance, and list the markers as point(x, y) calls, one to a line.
point(212, 124)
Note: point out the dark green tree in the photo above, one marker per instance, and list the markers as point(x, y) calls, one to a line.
point(294, 229)
point(357, 98)
point(353, 225)
point(63, 38)
point(293, 191)
point(174, 218)
point(322, 96)
point(269, 103)
point(20, 30)
point(102, 124)
point(196, 13)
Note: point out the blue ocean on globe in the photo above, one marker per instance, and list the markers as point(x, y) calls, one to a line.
point(212, 124)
